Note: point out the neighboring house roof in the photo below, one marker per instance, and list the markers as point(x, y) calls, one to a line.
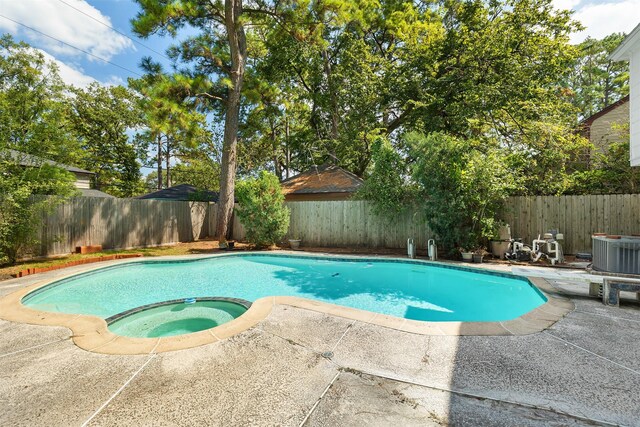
point(30, 160)
point(321, 180)
point(182, 192)
point(589, 120)
point(90, 192)
point(630, 44)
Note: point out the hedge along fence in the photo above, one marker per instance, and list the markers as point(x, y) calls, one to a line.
point(129, 223)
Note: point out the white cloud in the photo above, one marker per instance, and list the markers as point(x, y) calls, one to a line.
point(602, 18)
point(114, 80)
point(69, 74)
point(66, 24)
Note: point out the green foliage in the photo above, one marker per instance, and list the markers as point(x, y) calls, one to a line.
point(463, 184)
point(386, 186)
point(596, 80)
point(172, 123)
point(102, 117)
point(610, 171)
point(353, 70)
point(20, 212)
point(261, 209)
point(34, 105)
point(83, 127)
point(203, 174)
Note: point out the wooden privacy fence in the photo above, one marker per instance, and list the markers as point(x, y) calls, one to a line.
point(121, 223)
point(577, 217)
point(127, 223)
point(353, 223)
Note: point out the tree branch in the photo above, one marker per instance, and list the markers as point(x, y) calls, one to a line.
point(398, 121)
point(208, 95)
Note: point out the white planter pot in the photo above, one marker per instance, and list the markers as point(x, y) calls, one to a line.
point(467, 256)
point(294, 243)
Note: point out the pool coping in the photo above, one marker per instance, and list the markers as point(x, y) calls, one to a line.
point(91, 333)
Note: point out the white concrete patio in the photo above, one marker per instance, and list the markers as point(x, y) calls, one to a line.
point(299, 367)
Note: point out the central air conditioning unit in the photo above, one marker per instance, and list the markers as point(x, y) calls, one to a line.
point(616, 254)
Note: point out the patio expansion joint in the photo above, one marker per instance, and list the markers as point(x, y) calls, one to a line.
point(114, 395)
point(620, 365)
point(624, 319)
point(34, 346)
point(315, 405)
point(343, 335)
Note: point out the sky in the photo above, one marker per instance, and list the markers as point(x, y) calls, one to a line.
point(106, 55)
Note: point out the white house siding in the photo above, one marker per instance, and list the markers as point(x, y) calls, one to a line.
point(83, 181)
point(634, 96)
point(629, 50)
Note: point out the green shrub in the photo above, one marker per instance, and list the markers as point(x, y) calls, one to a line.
point(261, 209)
point(464, 184)
point(385, 187)
point(20, 212)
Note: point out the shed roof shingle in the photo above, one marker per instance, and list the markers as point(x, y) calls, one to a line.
point(30, 160)
point(320, 180)
point(182, 192)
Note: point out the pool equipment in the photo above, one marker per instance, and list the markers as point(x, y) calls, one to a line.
point(411, 248)
point(432, 250)
point(518, 251)
point(547, 247)
point(501, 244)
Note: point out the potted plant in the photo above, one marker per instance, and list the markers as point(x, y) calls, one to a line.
point(478, 254)
point(467, 256)
point(295, 243)
point(222, 244)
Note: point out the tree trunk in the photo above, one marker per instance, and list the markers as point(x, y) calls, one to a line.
point(159, 163)
point(168, 163)
point(335, 118)
point(238, 49)
point(274, 146)
point(287, 150)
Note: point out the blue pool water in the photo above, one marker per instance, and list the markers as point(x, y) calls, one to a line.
point(403, 289)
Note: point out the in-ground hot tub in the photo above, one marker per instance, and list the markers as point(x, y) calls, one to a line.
point(177, 317)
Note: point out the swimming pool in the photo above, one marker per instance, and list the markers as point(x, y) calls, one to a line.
point(405, 289)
